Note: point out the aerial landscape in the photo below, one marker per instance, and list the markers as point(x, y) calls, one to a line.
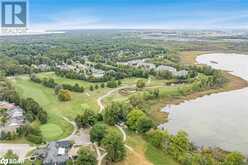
point(124, 92)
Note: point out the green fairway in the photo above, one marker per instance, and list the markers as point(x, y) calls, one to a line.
point(57, 110)
point(57, 127)
point(51, 131)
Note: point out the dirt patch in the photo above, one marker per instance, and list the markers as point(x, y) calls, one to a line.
point(127, 91)
point(134, 158)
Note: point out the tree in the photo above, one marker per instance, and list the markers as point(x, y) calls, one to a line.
point(234, 158)
point(97, 133)
point(114, 146)
point(64, 95)
point(91, 88)
point(119, 82)
point(10, 155)
point(88, 118)
point(85, 157)
point(179, 144)
point(158, 138)
point(140, 84)
point(42, 116)
point(144, 124)
point(115, 113)
point(133, 118)
point(102, 85)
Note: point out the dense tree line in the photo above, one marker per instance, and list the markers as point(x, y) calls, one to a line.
point(182, 150)
point(31, 134)
point(50, 83)
point(26, 131)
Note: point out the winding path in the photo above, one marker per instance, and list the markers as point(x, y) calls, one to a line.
point(100, 99)
point(74, 131)
point(100, 104)
point(123, 132)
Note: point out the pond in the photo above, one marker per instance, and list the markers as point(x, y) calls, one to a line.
point(217, 120)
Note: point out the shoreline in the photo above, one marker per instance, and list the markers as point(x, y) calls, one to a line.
point(234, 83)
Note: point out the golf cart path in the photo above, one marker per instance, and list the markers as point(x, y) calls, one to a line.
point(100, 104)
point(79, 136)
point(109, 93)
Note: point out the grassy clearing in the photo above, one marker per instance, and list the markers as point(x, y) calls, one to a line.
point(158, 157)
point(144, 153)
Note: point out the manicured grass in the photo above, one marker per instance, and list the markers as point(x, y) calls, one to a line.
point(51, 131)
point(48, 101)
point(57, 110)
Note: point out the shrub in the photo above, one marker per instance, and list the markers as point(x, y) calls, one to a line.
point(140, 84)
point(133, 117)
point(64, 95)
point(144, 124)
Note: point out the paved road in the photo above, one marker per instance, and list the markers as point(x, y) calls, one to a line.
point(20, 149)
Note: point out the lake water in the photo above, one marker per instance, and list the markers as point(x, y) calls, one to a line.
point(219, 120)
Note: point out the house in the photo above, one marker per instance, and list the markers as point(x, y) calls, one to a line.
point(55, 153)
point(14, 115)
point(139, 63)
point(174, 72)
point(166, 68)
point(182, 73)
point(98, 73)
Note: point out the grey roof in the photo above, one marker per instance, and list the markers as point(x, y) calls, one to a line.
point(180, 73)
point(15, 116)
point(166, 68)
point(52, 155)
